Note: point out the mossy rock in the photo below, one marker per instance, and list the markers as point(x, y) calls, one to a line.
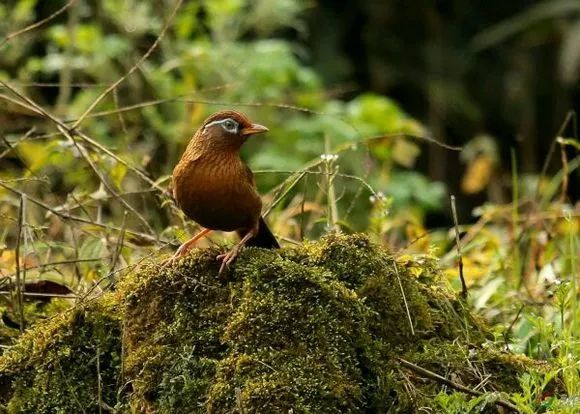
point(314, 329)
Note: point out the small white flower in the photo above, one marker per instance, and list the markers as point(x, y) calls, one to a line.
point(378, 196)
point(329, 157)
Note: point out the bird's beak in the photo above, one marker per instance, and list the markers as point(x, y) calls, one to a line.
point(254, 129)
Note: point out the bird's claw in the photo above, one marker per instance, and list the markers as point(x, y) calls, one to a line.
point(227, 259)
point(170, 261)
point(181, 251)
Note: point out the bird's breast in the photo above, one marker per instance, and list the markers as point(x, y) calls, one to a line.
point(217, 193)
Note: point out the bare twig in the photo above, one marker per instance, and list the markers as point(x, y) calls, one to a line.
point(120, 115)
point(414, 136)
point(276, 105)
point(57, 84)
point(302, 227)
point(239, 403)
point(71, 389)
point(99, 381)
point(37, 24)
point(436, 377)
point(362, 181)
point(507, 332)
point(11, 146)
point(119, 245)
point(33, 106)
point(136, 170)
point(43, 295)
point(571, 117)
point(415, 240)
point(281, 193)
point(404, 298)
point(66, 71)
point(19, 281)
point(458, 243)
point(565, 172)
point(133, 68)
point(104, 181)
point(43, 266)
point(82, 204)
point(65, 216)
point(29, 104)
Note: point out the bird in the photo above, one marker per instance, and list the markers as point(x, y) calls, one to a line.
point(216, 189)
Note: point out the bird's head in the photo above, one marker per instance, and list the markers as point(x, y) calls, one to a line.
point(228, 129)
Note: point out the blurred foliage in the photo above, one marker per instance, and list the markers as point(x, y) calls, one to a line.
point(215, 53)
point(507, 70)
point(94, 201)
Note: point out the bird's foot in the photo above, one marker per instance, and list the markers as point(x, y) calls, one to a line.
point(185, 247)
point(228, 258)
point(181, 251)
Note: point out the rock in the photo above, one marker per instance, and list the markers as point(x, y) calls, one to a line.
point(316, 329)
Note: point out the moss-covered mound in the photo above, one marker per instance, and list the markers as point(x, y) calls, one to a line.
point(316, 329)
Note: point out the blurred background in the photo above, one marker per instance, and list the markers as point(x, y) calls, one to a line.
point(378, 112)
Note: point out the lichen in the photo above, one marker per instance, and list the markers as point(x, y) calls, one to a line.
point(318, 328)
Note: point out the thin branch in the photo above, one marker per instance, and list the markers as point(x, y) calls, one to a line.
point(133, 68)
point(37, 24)
point(302, 227)
point(43, 266)
point(507, 332)
point(363, 182)
point(71, 389)
point(33, 106)
point(99, 381)
point(436, 377)
point(414, 136)
point(571, 117)
point(281, 193)
point(119, 245)
point(66, 71)
point(66, 216)
point(19, 284)
point(104, 181)
point(404, 298)
point(57, 84)
point(239, 402)
point(136, 170)
point(119, 114)
point(179, 98)
point(43, 295)
point(11, 145)
point(565, 172)
point(30, 104)
point(458, 244)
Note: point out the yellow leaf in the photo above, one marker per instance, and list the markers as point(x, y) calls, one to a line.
point(118, 173)
point(405, 152)
point(478, 174)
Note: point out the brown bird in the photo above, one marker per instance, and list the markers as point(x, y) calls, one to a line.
point(214, 188)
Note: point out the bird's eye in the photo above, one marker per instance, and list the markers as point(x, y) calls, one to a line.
point(230, 125)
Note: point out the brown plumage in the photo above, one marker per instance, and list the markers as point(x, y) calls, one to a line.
point(213, 186)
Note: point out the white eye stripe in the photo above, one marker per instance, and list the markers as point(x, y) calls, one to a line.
point(227, 124)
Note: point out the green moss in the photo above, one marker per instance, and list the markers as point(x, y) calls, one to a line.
point(56, 366)
point(293, 341)
point(313, 329)
point(34, 311)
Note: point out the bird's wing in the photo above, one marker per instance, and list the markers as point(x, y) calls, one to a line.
point(250, 176)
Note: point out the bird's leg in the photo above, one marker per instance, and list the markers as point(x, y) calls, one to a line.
point(229, 257)
point(184, 248)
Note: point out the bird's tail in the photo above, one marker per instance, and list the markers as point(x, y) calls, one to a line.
point(264, 238)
